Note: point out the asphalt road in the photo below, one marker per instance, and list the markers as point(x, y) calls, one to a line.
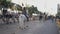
point(35, 27)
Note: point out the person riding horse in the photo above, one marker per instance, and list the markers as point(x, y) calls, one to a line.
point(25, 13)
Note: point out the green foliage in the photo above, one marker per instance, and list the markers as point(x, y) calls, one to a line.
point(5, 3)
point(32, 9)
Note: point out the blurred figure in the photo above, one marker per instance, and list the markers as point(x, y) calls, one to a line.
point(4, 11)
point(46, 17)
point(41, 16)
point(52, 18)
point(22, 19)
point(25, 13)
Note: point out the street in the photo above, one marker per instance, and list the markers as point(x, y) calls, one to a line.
point(29, 16)
point(35, 27)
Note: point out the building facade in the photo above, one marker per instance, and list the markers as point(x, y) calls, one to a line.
point(58, 10)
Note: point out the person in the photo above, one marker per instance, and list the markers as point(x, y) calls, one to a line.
point(22, 19)
point(4, 11)
point(25, 13)
point(40, 17)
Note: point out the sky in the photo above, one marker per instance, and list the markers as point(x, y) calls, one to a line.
point(48, 6)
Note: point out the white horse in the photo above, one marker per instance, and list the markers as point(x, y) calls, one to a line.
point(22, 20)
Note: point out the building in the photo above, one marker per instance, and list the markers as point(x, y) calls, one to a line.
point(58, 10)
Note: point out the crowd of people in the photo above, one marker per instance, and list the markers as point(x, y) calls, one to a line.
point(8, 18)
point(21, 17)
point(46, 17)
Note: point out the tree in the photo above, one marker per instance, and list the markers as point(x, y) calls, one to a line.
point(32, 10)
point(5, 3)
